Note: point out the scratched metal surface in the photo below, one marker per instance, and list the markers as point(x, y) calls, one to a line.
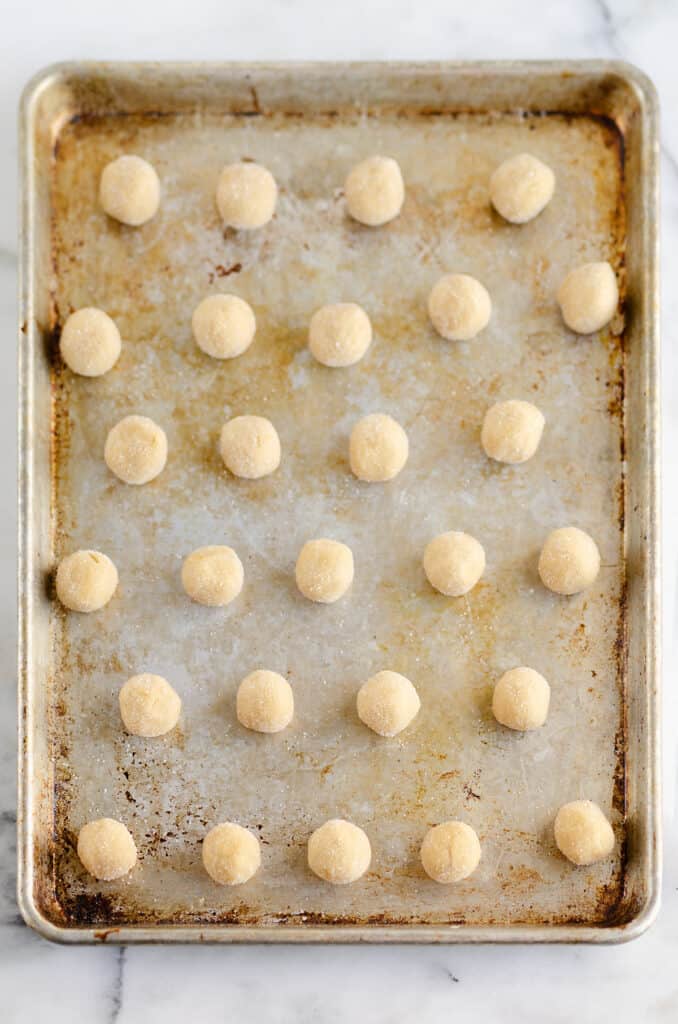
point(454, 761)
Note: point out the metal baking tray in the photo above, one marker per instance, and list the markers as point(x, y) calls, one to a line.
point(448, 125)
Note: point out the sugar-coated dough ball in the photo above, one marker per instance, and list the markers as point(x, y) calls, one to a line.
point(454, 562)
point(450, 852)
point(588, 297)
point(246, 196)
point(459, 307)
point(129, 190)
point(378, 448)
point(521, 187)
point(583, 833)
point(231, 854)
point(86, 581)
point(374, 191)
point(324, 570)
point(250, 447)
point(339, 852)
point(106, 849)
point(136, 450)
point(569, 561)
point(387, 703)
point(223, 326)
point(521, 699)
point(339, 335)
point(512, 431)
point(265, 702)
point(148, 705)
point(90, 342)
point(212, 575)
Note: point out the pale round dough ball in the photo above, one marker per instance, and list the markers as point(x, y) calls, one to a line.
point(246, 196)
point(86, 581)
point(459, 307)
point(223, 326)
point(106, 849)
point(231, 854)
point(212, 575)
point(250, 447)
point(454, 562)
point(588, 297)
point(136, 450)
point(90, 342)
point(378, 448)
point(521, 699)
point(340, 334)
point(149, 706)
point(387, 703)
point(450, 852)
point(374, 191)
point(521, 187)
point(512, 431)
point(129, 190)
point(324, 570)
point(569, 561)
point(582, 832)
point(339, 852)
point(265, 702)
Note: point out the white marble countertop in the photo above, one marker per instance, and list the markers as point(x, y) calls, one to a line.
point(40, 981)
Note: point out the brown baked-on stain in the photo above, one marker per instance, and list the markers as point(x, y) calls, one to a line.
point(221, 271)
point(611, 906)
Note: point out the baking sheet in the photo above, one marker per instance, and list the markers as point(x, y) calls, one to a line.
point(454, 761)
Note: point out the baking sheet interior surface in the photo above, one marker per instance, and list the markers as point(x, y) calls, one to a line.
point(454, 761)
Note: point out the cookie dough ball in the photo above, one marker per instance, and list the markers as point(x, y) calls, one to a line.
point(583, 833)
point(588, 297)
point(521, 699)
point(454, 562)
point(324, 570)
point(569, 561)
point(223, 326)
point(86, 581)
point(375, 191)
point(129, 190)
point(148, 705)
point(387, 703)
point(378, 448)
point(339, 852)
point(212, 575)
point(521, 187)
point(250, 447)
point(450, 852)
point(136, 450)
point(512, 431)
point(265, 702)
point(339, 335)
point(106, 849)
point(246, 196)
point(459, 307)
point(90, 342)
point(231, 854)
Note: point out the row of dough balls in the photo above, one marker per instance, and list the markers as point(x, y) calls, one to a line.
point(453, 562)
point(339, 852)
point(247, 193)
point(340, 334)
point(386, 703)
point(136, 448)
